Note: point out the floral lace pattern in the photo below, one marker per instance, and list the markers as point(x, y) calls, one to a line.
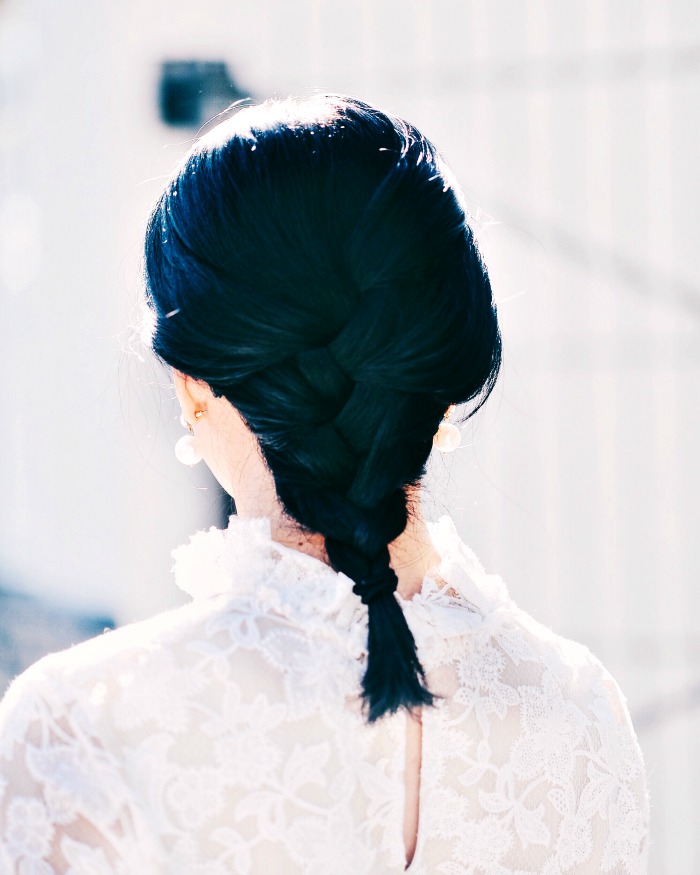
point(227, 737)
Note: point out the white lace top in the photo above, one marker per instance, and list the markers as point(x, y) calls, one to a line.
point(226, 736)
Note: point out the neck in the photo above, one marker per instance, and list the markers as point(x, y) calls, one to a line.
point(252, 486)
point(412, 553)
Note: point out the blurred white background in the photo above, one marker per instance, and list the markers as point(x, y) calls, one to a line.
point(573, 128)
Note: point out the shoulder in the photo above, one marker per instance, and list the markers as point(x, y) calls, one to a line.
point(149, 675)
point(64, 796)
point(565, 736)
point(571, 666)
point(115, 647)
point(555, 675)
point(111, 667)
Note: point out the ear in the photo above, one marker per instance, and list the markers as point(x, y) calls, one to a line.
point(192, 394)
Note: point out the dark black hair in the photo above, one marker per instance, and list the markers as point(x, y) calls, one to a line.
point(310, 259)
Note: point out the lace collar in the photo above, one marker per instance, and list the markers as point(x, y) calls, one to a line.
point(243, 561)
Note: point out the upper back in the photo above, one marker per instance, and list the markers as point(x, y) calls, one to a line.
point(228, 734)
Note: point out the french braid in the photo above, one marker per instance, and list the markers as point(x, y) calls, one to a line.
point(361, 510)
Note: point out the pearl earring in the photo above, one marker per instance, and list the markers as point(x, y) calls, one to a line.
point(187, 449)
point(448, 436)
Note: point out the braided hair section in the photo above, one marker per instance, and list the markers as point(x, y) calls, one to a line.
point(346, 477)
point(317, 269)
point(356, 541)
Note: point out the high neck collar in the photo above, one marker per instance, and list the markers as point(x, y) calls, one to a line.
point(244, 561)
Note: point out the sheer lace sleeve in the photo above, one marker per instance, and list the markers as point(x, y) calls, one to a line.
point(546, 773)
point(64, 807)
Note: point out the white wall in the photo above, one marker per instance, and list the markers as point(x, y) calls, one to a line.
point(574, 130)
point(93, 499)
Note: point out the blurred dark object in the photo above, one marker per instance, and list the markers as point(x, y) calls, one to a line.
point(193, 92)
point(29, 629)
point(228, 507)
